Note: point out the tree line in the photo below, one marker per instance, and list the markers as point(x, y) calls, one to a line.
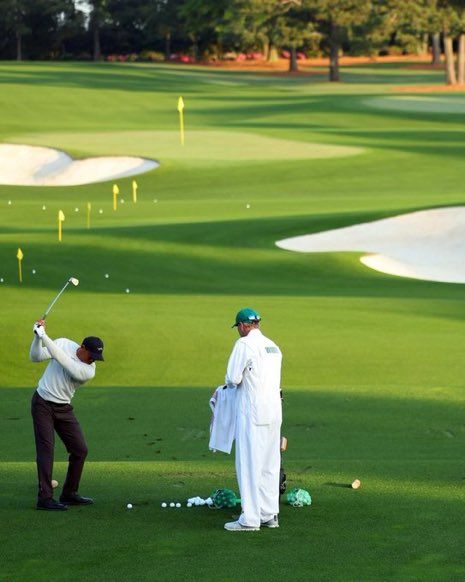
point(217, 29)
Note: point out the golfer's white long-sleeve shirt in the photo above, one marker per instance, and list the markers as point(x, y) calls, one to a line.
point(64, 373)
point(255, 368)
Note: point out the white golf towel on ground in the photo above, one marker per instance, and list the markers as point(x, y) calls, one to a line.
point(223, 424)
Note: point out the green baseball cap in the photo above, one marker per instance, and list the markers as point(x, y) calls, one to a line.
point(247, 315)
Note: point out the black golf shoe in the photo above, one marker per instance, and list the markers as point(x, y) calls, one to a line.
point(51, 505)
point(75, 499)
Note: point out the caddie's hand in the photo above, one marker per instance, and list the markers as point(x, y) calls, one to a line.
point(39, 329)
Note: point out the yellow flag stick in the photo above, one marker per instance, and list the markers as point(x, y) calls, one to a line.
point(181, 118)
point(134, 191)
point(61, 218)
point(115, 196)
point(89, 208)
point(19, 256)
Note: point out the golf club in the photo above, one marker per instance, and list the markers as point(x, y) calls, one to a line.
point(71, 280)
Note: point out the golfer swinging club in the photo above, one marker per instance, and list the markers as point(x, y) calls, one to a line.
point(71, 365)
point(254, 368)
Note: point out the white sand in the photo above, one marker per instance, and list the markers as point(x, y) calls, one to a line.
point(23, 165)
point(429, 244)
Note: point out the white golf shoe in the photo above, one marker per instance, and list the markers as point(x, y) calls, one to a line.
point(236, 526)
point(273, 522)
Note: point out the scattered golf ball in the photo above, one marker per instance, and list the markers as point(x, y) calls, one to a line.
point(155, 200)
point(128, 291)
point(171, 504)
point(33, 271)
point(164, 504)
point(178, 505)
point(44, 207)
point(129, 505)
point(54, 483)
point(247, 205)
point(189, 505)
point(100, 211)
point(122, 201)
point(106, 275)
point(1, 279)
point(9, 202)
point(76, 210)
point(356, 484)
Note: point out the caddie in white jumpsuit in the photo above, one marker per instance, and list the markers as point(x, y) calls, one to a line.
point(254, 367)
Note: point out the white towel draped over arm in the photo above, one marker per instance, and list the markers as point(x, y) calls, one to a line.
point(223, 425)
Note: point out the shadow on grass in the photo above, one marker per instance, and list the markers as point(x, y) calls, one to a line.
point(172, 424)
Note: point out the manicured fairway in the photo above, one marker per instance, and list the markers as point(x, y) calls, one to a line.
point(373, 364)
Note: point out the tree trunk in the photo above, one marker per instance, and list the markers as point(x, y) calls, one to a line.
point(423, 46)
point(97, 51)
point(451, 78)
point(293, 65)
point(19, 46)
point(436, 48)
point(167, 46)
point(334, 54)
point(272, 54)
point(266, 49)
point(461, 60)
point(195, 48)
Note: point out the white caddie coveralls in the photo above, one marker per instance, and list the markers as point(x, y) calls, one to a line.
point(254, 367)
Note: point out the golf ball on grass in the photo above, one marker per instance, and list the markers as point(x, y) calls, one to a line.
point(247, 205)
point(44, 207)
point(33, 271)
point(189, 505)
point(100, 211)
point(129, 505)
point(106, 275)
point(128, 291)
point(356, 484)
point(178, 505)
point(164, 504)
point(1, 279)
point(172, 504)
point(9, 202)
point(76, 209)
point(122, 200)
point(54, 483)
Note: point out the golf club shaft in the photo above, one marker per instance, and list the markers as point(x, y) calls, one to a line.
point(54, 301)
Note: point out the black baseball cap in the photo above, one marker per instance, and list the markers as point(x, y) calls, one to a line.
point(95, 346)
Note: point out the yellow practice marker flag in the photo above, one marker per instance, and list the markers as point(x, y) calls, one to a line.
point(61, 218)
point(19, 256)
point(115, 196)
point(181, 118)
point(134, 191)
point(89, 208)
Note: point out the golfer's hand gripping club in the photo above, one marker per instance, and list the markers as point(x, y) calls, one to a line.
point(39, 328)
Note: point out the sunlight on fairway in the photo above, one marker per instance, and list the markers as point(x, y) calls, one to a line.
point(417, 104)
point(202, 147)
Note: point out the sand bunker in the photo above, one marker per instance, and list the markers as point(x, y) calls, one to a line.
point(22, 165)
point(429, 244)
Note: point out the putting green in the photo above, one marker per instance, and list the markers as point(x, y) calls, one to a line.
point(201, 147)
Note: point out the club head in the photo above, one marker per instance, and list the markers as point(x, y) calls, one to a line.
point(73, 281)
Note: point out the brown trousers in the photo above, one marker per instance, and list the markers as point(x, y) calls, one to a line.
point(47, 418)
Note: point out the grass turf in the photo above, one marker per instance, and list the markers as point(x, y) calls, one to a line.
point(372, 368)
